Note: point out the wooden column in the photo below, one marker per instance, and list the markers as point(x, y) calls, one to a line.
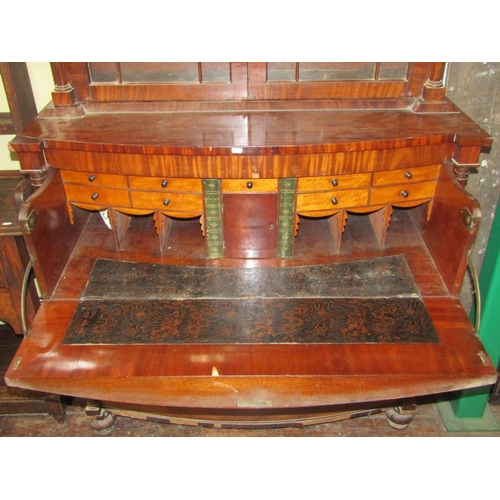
point(63, 94)
point(434, 89)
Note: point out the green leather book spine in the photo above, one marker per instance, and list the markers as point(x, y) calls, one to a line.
point(213, 218)
point(286, 218)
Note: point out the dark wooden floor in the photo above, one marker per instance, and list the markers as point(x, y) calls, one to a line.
point(32, 420)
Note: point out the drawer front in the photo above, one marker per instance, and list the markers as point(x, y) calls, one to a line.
point(417, 174)
point(402, 192)
point(88, 178)
point(166, 184)
point(97, 195)
point(333, 182)
point(167, 201)
point(250, 185)
point(332, 200)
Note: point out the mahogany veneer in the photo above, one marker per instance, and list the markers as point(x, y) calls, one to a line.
point(249, 171)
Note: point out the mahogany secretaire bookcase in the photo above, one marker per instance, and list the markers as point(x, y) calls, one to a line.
point(250, 243)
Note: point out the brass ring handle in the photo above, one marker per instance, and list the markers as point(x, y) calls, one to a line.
point(24, 291)
point(477, 292)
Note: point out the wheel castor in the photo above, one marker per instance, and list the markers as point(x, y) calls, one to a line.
point(99, 419)
point(401, 417)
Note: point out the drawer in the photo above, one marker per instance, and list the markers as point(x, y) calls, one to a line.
point(167, 201)
point(333, 182)
point(330, 200)
point(402, 192)
point(417, 174)
point(249, 185)
point(166, 184)
point(88, 178)
point(97, 195)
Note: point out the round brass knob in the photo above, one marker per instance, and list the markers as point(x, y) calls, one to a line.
point(335, 182)
point(334, 200)
point(91, 178)
point(95, 196)
point(404, 194)
point(166, 201)
point(249, 184)
point(408, 175)
point(164, 183)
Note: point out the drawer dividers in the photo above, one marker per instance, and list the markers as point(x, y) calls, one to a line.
point(337, 224)
point(380, 221)
point(119, 224)
point(162, 226)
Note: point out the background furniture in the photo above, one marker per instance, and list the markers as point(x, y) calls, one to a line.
point(14, 258)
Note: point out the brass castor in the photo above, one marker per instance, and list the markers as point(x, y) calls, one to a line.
point(401, 417)
point(99, 419)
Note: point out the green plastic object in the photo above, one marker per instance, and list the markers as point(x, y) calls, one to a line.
point(471, 403)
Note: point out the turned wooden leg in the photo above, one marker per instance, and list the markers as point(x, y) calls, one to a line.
point(98, 418)
point(55, 407)
point(400, 417)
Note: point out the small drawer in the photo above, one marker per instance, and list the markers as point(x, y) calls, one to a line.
point(416, 174)
point(97, 195)
point(306, 184)
point(166, 184)
point(94, 179)
point(328, 201)
point(167, 201)
point(402, 193)
point(249, 185)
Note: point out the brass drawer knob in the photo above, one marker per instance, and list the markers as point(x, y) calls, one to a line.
point(335, 200)
point(91, 178)
point(404, 194)
point(164, 183)
point(249, 184)
point(95, 196)
point(166, 201)
point(408, 175)
point(335, 182)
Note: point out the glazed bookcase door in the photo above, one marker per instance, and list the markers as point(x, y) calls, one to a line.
point(171, 81)
point(360, 80)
